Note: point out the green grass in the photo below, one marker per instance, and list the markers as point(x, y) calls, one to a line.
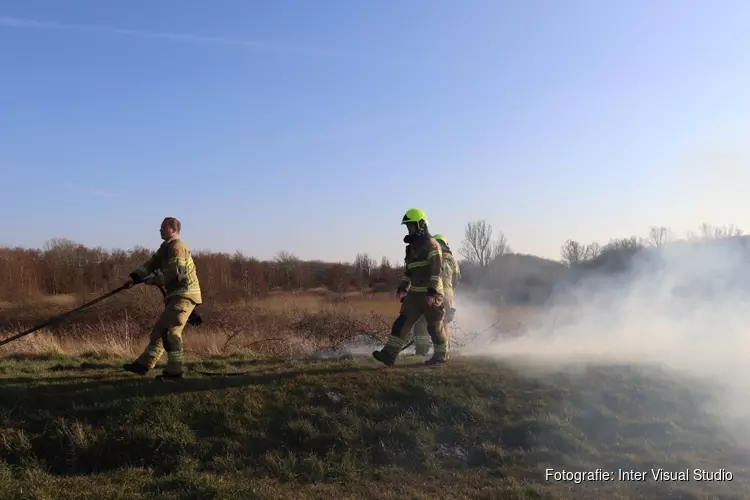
point(80, 428)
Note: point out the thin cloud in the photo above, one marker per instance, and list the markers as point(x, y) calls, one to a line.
point(15, 22)
point(91, 191)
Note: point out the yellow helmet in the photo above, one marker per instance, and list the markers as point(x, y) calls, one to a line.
point(442, 238)
point(415, 215)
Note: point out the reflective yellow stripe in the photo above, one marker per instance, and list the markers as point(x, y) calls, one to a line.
point(141, 272)
point(178, 356)
point(394, 344)
point(187, 293)
point(418, 263)
point(433, 254)
point(438, 288)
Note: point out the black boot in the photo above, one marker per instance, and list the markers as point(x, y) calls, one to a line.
point(136, 368)
point(171, 376)
point(435, 361)
point(384, 357)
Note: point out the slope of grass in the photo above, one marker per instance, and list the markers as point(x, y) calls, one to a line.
point(80, 428)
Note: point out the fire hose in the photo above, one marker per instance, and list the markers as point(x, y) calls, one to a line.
point(194, 319)
point(56, 319)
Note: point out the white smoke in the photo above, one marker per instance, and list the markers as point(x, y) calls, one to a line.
point(684, 308)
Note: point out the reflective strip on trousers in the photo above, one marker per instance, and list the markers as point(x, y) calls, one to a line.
point(175, 356)
point(423, 340)
point(394, 343)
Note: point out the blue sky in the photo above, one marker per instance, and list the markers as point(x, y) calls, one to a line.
point(311, 127)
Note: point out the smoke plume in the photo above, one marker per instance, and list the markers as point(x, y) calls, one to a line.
point(684, 308)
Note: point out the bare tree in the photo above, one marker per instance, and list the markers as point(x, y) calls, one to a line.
point(709, 231)
point(478, 247)
point(593, 250)
point(284, 257)
point(62, 245)
point(385, 264)
point(706, 230)
point(623, 244)
point(727, 231)
point(617, 253)
point(658, 236)
point(286, 265)
point(573, 253)
point(364, 265)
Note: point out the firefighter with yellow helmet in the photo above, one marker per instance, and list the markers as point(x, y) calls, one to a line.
point(421, 289)
point(451, 275)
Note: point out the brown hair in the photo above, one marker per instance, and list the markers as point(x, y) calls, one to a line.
point(173, 223)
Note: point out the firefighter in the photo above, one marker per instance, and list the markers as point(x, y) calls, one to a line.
point(421, 289)
point(172, 268)
point(451, 275)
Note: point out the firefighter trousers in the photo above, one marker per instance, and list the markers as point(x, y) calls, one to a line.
point(166, 335)
point(414, 308)
point(422, 340)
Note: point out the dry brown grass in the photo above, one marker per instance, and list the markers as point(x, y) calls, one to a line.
point(282, 324)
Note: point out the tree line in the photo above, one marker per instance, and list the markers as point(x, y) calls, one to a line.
point(66, 267)
point(620, 250)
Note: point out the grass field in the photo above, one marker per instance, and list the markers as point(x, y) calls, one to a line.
point(76, 427)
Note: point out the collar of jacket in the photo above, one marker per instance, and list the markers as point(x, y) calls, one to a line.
point(417, 238)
